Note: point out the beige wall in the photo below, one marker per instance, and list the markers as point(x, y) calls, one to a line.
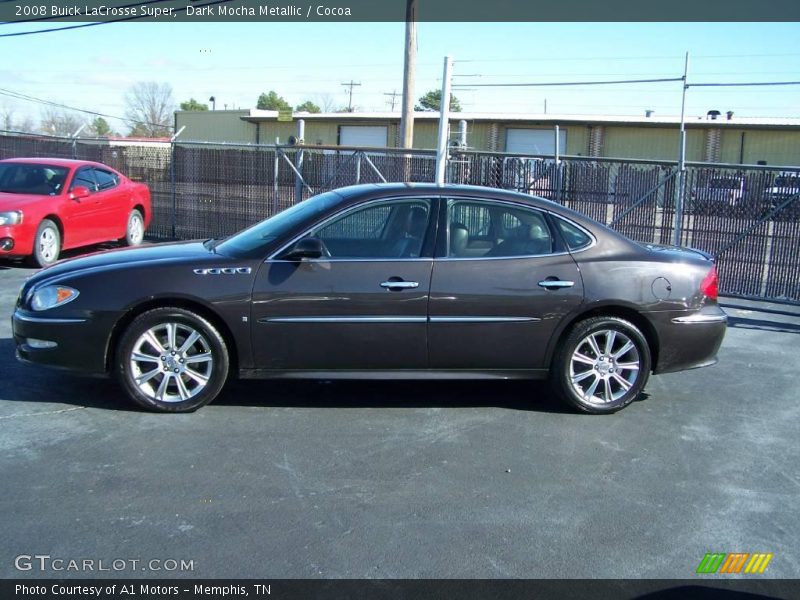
point(774, 146)
point(655, 142)
point(215, 126)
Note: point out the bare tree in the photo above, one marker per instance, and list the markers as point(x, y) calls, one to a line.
point(6, 116)
point(149, 106)
point(25, 124)
point(57, 121)
point(326, 102)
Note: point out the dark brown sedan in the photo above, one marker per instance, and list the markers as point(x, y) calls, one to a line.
point(382, 281)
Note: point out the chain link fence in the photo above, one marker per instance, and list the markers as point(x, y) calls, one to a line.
point(747, 216)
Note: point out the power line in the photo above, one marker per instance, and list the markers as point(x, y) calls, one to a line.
point(120, 20)
point(568, 83)
point(54, 18)
point(18, 96)
point(757, 83)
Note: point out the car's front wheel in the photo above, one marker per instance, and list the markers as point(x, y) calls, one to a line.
point(47, 244)
point(134, 233)
point(172, 360)
point(602, 365)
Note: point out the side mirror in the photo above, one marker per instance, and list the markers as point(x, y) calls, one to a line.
point(309, 247)
point(79, 192)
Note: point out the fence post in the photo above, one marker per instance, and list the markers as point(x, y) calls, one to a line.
point(557, 158)
point(298, 185)
point(275, 176)
point(75, 141)
point(358, 165)
point(174, 181)
point(679, 196)
point(444, 121)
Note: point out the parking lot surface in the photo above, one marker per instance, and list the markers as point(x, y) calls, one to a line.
point(408, 479)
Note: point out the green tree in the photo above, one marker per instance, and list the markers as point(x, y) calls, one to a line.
point(308, 106)
point(272, 101)
point(433, 100)
point(100, 127)
point(192, 104)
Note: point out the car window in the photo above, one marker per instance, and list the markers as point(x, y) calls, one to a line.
point(573, 235)
point(496, 230)
point(382, 230)
point(84, 177)
point(105, 179)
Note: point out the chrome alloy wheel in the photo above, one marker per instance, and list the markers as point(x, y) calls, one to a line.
point(171, 362)
point(136, 229)
point(48, 244)
point(604, 366)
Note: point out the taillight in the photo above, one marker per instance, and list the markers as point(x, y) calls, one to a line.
point(708, 287)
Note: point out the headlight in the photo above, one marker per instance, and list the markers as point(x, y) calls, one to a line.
point(51, 296)
point(11, 217)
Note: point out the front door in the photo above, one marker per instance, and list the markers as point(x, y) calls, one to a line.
point(361, 306)
point(81, 214)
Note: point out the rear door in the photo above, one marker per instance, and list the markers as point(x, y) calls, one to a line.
point(112, 205)
point(496, 300)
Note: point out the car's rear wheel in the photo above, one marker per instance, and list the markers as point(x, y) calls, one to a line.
point(134, 233)
point(602, 365)
point(172, 360)
point(46, 244)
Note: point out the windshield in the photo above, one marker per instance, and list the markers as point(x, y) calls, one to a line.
point(251, 242)
point(30, 178)
point(787, 182)
point(725, 183)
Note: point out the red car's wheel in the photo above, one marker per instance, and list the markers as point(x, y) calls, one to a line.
point(134, 233)
point(46, 244)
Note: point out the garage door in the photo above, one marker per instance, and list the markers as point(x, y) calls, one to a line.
point(363, 136)
point(535, 141)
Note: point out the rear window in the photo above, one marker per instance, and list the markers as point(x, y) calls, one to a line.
point(726, 183)
point(788, 182)
point(575, 237)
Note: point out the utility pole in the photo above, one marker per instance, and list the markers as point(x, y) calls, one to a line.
point(409, 74)
point(351, 85)
point(394, 96)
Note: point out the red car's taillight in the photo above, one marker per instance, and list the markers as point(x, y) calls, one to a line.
point(708, 287)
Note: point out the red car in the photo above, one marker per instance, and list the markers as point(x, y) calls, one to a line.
point(52, 204)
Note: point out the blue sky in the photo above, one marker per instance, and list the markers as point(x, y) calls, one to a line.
point(93, 67)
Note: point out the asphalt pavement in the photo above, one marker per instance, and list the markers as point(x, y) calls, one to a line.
point(406, 479)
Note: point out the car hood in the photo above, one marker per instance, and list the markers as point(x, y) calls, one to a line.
point(10, 201)
point(127, 257)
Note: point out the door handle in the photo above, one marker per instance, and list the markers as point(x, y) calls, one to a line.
point(555, 284)
point(399, 285)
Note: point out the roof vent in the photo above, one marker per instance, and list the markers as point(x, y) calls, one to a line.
point(729, 114)
point(713, 114)
point(649, 113)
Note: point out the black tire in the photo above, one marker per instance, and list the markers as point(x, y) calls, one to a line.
point(46, 244)
point(134, 231)
point(195, 370)
point(606, 382)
